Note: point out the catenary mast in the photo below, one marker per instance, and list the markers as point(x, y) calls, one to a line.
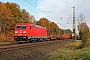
point(74, 23)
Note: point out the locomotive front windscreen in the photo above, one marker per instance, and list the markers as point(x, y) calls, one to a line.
point(21, 27)
point(18, 27)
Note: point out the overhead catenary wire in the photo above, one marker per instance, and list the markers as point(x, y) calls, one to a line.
point(41, 10)
point(31, 3)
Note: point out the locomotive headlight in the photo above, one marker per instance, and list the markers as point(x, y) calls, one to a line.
point(24, 31)
point(16, 31)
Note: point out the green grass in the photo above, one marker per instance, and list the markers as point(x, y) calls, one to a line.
point(69, 54)
point(84, 54)
point(74, 45)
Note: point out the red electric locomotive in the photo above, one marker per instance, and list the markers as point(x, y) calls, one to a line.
point(29, 32)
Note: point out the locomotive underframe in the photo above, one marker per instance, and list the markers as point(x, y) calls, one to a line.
point(31, 38)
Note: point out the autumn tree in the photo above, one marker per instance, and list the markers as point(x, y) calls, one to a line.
point(83, 31)
point(15, 9)
point(6, 18)
point(33, 20)
point(17, 14)
point(25, 16)
point(54, 29)
point(51, 27)
point(67, 31)
point(10, 14)
point(44, 22)
point(0, 18)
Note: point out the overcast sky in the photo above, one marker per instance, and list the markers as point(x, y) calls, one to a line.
point(54, 10)
point(63, 8)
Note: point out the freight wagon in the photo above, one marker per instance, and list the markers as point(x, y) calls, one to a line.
point(29, 32)
point(64, 36)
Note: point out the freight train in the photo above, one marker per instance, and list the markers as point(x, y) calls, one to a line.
point(27, 32)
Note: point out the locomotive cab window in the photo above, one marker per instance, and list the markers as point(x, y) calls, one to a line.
point(30, 27)
point(24, 27)
point(18, 27)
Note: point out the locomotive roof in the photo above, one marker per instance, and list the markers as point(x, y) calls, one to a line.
point(38, 26)
point(30, 23)
point(23, 23)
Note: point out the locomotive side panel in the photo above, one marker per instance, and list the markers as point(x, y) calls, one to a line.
point(38, 32)
point(44, 32)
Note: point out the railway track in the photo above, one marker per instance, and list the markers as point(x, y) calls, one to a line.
point(4, 49)
point(12, 47)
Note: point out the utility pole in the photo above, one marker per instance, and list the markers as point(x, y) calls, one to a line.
point(61, 29)
point(74, 23)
